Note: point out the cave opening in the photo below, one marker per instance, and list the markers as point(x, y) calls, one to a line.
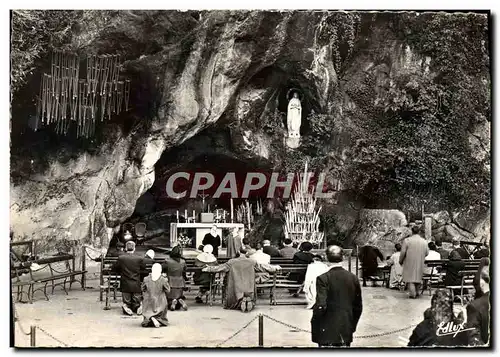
point(208, 152)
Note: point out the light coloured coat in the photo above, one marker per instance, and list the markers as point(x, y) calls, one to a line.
point(413, 252)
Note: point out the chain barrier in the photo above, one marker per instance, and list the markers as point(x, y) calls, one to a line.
point(237, 332)
point(54, 338)
point(286, 324)
point(94, 249)
point(387, 333)
point(365, 336)
point(18, 320)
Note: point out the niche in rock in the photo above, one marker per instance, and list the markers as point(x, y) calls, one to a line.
point(306, 100)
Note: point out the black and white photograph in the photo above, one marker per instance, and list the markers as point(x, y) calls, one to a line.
point(224, 179)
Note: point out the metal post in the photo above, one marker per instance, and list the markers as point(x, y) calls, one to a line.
point(32, 336)
point(84, 266)
point(261, 330)
point(428, 228)
point(73, 263)
point(101, 278)
point(357, 266)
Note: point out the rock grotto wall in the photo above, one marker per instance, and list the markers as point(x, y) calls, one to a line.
point(228, 69)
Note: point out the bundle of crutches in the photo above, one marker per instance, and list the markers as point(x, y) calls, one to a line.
point(65, 98)
point(301, 216)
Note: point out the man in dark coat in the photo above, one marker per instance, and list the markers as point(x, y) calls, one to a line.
point(453, 268)
point(368, 255)
point(303, 256)
point(461, 250)
point(270, 250)
point(478, 313)
point(483, 252)
point(129, 266)
point(443, 252)
point(213, 239)
point(338, 304)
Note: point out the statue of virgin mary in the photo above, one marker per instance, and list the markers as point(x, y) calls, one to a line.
point(294, 116)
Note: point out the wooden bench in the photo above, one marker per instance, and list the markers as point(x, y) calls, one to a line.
point(383, 274)
point(110, 280)
point(48, 276)
point(282, 280)
point(467, 283)
point(435, 279)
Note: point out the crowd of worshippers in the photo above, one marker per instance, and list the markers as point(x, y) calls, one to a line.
point(408, 263)
point(332, 292)
point(407, 271)
point(163, 289)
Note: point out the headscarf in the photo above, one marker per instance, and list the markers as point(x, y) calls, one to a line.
point(127, 236)
point(207, 255)
point(176, 253)
point(442, 307)
point(150, 253)
point(155, 271)
point(130, 246)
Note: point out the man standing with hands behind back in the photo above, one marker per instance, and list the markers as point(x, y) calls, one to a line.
point(413, 252)
point(338, 304)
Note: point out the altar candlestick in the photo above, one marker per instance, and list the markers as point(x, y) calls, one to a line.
point(231, 210)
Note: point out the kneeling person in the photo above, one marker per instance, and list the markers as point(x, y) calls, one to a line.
point(155, 289)
point(240, 287)
point(129, 267)
point(202, 278)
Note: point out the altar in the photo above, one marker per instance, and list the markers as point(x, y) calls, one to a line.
point(202, 229)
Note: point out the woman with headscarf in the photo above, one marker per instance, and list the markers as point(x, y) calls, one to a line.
point(483, 264)
point(155, 304)
point(202, 278)
point(430, 332)
point(453, 268)
point(175, 268)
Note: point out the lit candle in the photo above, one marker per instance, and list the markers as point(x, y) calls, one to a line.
point(177, 216)
point(194, 219)
point(231, 210)
point(186, 214)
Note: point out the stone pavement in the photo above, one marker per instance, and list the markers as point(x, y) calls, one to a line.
point(78, 320)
